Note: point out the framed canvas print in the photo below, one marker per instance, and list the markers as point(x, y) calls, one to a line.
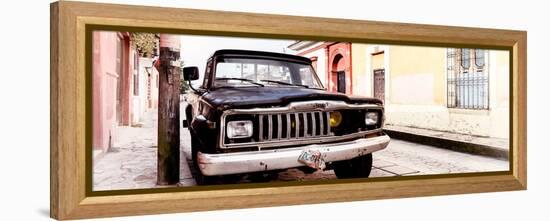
point(199, 110)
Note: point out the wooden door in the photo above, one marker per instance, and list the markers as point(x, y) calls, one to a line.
point(379, 84)
point(341, 84)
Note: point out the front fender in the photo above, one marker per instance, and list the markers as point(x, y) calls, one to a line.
point(205, 130)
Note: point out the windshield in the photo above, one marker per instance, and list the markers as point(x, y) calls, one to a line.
point(246, 72)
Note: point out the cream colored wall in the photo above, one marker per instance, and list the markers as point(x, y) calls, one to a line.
point(499, 87)
point(416, 93)
point(412, 105)
point(360, 77)
point(417, 75)
point(363, 64)
point(321, 63)
point(378, 61)
point(140, 102)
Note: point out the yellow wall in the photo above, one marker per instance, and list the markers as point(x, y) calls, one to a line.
point(378, 61)
point(361, 83)
point(415, 90)
point(499, 93)
point(417, 97)
point(418, 71)
point(501, 78)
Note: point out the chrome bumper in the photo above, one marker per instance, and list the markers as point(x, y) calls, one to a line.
point(264, 160)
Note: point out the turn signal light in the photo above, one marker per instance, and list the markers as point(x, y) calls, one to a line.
point(335, 119)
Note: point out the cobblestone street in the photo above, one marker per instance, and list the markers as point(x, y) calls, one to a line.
point(131, 163)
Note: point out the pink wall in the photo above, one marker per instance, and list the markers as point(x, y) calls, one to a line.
point(339, 55)
point(105, 83)
point(111, 81)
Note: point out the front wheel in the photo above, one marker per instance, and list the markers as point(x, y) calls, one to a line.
point(358, 167)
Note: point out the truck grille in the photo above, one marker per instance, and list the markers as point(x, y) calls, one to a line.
point(285, 126)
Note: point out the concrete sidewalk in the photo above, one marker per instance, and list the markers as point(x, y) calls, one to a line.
point(484, 146)
point(132, 161)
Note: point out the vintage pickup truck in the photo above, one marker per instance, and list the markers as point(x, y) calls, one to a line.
point(263, 112)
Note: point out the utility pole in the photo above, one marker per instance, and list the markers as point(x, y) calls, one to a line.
point(168, 162)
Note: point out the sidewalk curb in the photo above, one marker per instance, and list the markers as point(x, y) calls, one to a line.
point(455, 145)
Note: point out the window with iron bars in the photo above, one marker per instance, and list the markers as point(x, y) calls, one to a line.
point(467, 78)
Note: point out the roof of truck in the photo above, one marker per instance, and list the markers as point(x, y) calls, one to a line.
point(264, 54)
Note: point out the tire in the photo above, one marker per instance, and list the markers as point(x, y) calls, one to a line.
point(358, 167)
point(199, 177)
point(262, 177)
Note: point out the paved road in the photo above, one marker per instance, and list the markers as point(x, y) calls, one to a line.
point(132, 162)
point(400, 158)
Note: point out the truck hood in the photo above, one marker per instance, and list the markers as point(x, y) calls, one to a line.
point(247, 97)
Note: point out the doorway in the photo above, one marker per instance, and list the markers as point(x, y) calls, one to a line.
point(341, 81)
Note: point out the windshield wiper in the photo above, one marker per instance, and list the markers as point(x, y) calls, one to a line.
point(242, 79)
point(285, 83)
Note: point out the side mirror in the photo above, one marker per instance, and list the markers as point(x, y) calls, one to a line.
point(190, 73)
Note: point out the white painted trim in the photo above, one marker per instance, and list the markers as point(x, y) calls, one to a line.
point(446, 84)
point(387, 75)
point(368, 71)
point(491, 57)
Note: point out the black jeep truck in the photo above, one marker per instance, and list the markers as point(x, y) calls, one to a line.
point(262, 112)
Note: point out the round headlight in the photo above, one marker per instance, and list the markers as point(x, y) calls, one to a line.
point(371, 118)
point(335, 118)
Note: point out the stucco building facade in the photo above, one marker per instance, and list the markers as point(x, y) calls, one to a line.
point(456, 90)
point(125, 86)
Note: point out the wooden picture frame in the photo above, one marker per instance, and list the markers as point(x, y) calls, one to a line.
point(70, 89)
